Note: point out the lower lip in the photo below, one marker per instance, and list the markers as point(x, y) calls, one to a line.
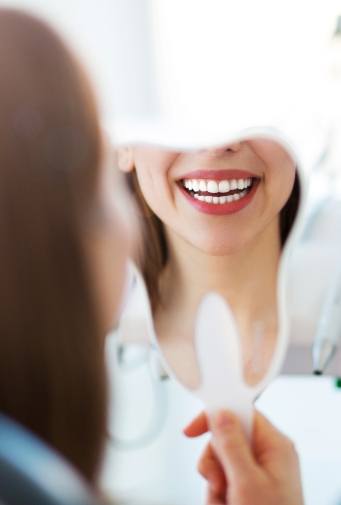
point(220, 209)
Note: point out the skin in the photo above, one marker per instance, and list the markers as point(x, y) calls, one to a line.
point(235, 255)
point(237, 473)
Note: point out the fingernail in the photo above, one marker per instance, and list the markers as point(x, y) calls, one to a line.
point(186, 429)
point(222, 420)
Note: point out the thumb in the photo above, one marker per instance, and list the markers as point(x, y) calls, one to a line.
point(231, 446)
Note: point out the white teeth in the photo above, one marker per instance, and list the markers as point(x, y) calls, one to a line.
point(238, 196)
point(199, 197)
point(220, 200)
point(233, 185)
point(195, 185)
point(224, 186)
point(202, 186)
point(212, 187)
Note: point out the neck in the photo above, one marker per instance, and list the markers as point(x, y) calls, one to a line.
point(246, 278)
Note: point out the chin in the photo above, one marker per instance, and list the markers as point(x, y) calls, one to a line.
point(220, 246)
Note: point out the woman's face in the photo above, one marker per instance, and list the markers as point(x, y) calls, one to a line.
point(218, 200)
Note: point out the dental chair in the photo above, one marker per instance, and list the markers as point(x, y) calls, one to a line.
point(33, 474)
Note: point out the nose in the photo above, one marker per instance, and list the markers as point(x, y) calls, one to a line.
point(235, 147)
point(216, 152)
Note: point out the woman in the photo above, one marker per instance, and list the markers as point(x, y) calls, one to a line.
point(59, 231)
point(61, 268)
point(215, 220)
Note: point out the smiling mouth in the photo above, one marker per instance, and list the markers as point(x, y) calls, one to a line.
point(219, 192)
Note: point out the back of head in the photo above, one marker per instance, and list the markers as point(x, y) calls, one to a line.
point(52, 375)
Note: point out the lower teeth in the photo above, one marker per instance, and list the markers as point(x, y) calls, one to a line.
point(220, 200)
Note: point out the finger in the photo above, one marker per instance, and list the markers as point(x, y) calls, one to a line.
point(270, 445)
point(267, 437)
point(214, 498)
point(197, 427)
point(231, 446)
point(210, 468)
point(264, 430)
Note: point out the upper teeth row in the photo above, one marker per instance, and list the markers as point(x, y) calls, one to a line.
point(216, 187)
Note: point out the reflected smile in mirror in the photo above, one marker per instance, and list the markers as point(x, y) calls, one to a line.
point(219, 191)
point(214, 220)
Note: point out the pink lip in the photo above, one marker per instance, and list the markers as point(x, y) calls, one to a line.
point(220, 209)
point(219, 175)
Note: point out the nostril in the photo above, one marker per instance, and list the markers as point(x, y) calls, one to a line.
point(236, 146)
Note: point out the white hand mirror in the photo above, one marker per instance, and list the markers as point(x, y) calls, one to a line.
point(224, 220)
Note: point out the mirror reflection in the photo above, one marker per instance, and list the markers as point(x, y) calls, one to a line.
point(214, 220)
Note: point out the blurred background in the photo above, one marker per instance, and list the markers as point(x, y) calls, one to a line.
point(154, 59)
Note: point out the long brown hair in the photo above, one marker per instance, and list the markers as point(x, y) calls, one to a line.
point(153, 254)
point(52, 374)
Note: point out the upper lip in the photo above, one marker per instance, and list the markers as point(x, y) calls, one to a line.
point(219, 175)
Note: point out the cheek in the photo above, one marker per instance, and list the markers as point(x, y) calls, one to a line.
point(156, 186)
point(281, 184)
point(149, 182)
point(280, 171)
